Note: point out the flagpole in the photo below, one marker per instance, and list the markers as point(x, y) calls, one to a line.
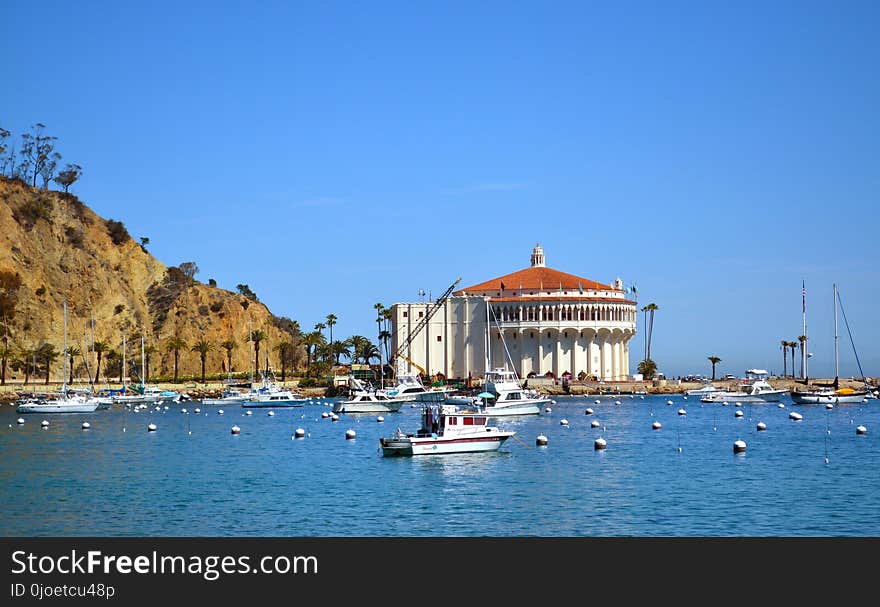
point(804, 349)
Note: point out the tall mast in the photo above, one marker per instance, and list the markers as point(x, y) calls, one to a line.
point(123, 364)
point(488, 339)
point(250, 333)
point(64, 375)
point(804, 348)
point(143, 363)
point(836, 367)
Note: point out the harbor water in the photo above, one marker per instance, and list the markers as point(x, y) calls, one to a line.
point(194, 477)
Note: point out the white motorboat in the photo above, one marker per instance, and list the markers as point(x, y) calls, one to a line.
point(147, 395)
point(229, 397)
point(410, 388)
point(365, 401)
point(753, 389)
point(62, 404)
point(510, 398)
point(446, 430)
point(707, 388)
point(275, 398)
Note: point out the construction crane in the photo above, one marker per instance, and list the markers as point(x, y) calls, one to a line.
point(423, 322)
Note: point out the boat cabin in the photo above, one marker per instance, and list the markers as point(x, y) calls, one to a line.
point(446, 419)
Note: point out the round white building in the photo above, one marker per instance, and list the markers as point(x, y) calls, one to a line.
point(546, 322)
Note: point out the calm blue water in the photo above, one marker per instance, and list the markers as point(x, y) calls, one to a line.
point(106, 482)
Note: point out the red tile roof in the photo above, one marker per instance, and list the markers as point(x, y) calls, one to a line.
point(537, 278)
point(536, 299)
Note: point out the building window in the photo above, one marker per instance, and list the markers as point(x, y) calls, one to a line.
point(439, 338)
point(421, 314)
point(404, 314)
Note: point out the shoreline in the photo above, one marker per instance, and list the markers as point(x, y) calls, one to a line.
point(197, 391)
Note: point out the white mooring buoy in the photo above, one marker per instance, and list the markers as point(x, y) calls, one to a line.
point(324, 414)
point(151, 428)
point(198, 410)
point(249, 413)
point(220, 412)
point(563, 422)
point(20, 420)
point(589, 411)
point(594, 424)
point(334, 417)
point(861, 430)
point(183, 410)
point(761, 426)
point(380, 419)
point(271, 414)
point(541, 441)
point(781, 405)
point(44, 423)
point(548, 410)
point(794, 415)
point(86, 425)
point(597, 401)
point(669, 403)
point(656, 425)
point(738, 413)
point(350, 434)
point(682, 412)
point(300, 433)
point(829, 406)
point(617, 402)
point(236, 430)
point(599, 444)
point(684, 397)
point(739, 446)
point(552, 402)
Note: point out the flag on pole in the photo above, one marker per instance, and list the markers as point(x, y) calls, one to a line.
point(502, 286)
point(581, 288)
point(804, 295)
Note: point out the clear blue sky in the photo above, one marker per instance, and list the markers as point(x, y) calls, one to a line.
point(335, 155)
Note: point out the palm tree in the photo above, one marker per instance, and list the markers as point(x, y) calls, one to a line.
point(310, 341)
point(72, 351)
point(284, 348)
point(784, 358)
point(803, 343)
point(256, 337)
point(648, 368)
point(202, 346)
point(714, 360)
point(99, 347)
point(23, 362)
point(319, 327)
point(792, 346)
point(229, 345)
point(331, 320)
point(5, 355)
point(341, 348)
point(48, 354)
point(384, 337)
point(386, 316)
point(652, 307)
point(357, 346)
point(148, 353)
point(370, 352)
point(645, 310)
point(175, 345)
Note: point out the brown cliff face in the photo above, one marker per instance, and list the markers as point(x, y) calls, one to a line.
point(63, 251)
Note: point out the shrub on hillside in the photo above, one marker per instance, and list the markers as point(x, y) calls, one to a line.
point(117, 231)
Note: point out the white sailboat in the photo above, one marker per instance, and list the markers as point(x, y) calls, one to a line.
point(63, 403)
point(833, 394)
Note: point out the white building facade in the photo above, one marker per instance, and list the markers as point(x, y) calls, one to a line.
point(542, 322)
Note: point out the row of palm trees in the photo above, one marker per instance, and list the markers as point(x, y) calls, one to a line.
point(793, 345)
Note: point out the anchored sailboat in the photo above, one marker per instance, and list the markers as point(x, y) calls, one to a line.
point(833, 394)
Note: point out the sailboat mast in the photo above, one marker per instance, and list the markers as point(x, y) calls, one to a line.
point(804, 346)
point(143, 362)
point(836, 365)
point(64, 374)
point(488, 339)
point(123, 364)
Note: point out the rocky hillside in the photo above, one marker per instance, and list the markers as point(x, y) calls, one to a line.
point(63, 251)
